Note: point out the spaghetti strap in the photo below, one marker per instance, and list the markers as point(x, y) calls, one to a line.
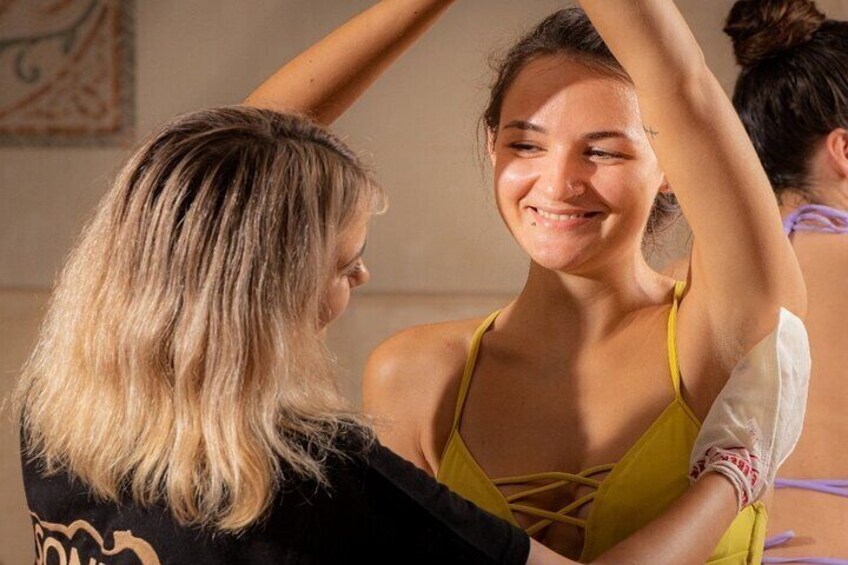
point(673, 363)
point(816, 218)
point(837, 487)
point(784, 537)
point(470, 362)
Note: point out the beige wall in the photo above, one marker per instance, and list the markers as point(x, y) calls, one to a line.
point(441, 251)
point(20, 314)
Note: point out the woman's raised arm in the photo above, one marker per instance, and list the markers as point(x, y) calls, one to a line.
point(743, 268)
point(327, 78)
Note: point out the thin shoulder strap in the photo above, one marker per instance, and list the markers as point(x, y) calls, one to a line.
point(673, 362)
point(465, 383)
point(816, 218)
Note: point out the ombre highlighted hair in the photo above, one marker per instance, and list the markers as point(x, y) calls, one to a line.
point(181, 360)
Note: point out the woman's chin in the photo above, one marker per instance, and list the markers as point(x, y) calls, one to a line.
point(570, 263)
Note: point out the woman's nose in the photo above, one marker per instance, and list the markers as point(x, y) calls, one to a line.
point(563, 178)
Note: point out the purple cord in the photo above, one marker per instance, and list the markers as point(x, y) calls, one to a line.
point(816, 218)
point(779, 539)
point(813, 560)
point(839, 487)
point(784, 537)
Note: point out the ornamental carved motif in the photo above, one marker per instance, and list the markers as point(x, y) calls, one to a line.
point(66, 72)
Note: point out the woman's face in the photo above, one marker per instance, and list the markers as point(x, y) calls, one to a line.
point(575, 175)
point(350, 271)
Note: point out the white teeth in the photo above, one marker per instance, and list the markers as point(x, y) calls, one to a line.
point(559, 217)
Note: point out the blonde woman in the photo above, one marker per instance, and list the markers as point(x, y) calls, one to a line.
point(180, 406)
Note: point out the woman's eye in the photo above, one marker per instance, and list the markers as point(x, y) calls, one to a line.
point(525, 147)
point(601, 154)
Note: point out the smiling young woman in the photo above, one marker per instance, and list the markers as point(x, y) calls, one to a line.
point(595, 379)
point(572, 411)
point(573, 187)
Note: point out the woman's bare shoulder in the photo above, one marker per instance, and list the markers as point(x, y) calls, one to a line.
point(420, 358)
point(410, 386)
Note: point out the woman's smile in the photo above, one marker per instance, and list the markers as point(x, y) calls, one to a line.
point(575, 176)
point(563, 219)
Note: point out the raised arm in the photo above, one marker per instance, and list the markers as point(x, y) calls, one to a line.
point(327, 78)
point(743, 269)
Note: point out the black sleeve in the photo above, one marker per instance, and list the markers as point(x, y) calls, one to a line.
point(378, 508)
point(435, 524)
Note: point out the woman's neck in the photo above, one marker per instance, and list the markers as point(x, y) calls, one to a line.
point(790, 200)
point(835, 196)
point(589, 305)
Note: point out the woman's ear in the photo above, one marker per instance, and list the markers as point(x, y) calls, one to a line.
point(836, 144)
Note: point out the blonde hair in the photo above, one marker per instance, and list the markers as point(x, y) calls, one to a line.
point(181, 359)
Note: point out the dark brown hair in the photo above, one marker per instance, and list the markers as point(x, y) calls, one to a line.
point(793, 88)
point(567, 32)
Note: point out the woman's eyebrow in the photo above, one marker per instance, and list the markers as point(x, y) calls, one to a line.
point(591, 136)
point(606, 134)
point(524, 125)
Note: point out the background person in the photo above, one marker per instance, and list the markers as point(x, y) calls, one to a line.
point(792, 96)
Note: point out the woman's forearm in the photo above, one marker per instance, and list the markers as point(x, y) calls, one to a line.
point(649, 38)
point(327, 78)
point(687, 533)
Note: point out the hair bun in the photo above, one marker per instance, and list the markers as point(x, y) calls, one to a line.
point(761, 29)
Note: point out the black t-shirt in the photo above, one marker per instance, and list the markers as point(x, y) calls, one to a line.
point(379, 508)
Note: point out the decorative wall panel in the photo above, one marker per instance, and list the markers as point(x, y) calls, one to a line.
point(66, 72)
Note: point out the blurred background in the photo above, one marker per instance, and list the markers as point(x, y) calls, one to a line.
point(440, 252)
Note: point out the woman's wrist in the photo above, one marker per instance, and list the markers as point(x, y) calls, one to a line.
point(719, 489)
